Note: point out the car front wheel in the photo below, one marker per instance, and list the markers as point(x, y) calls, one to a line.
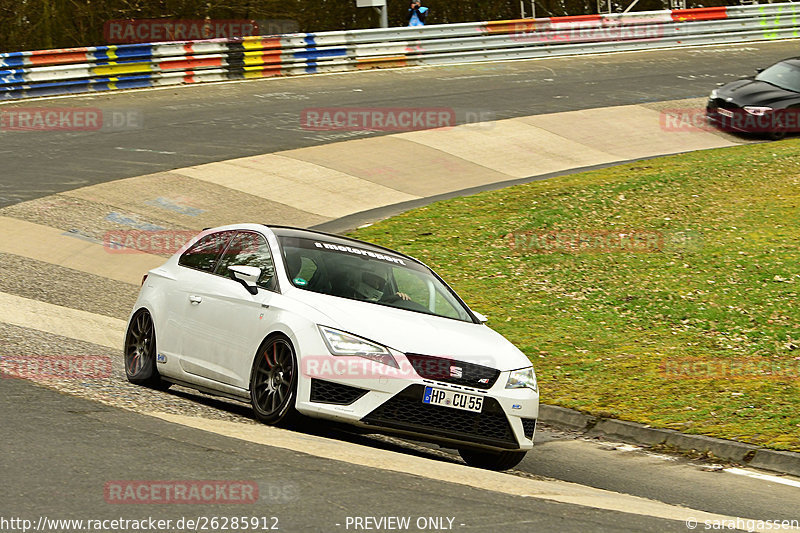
point(273, 382)
point(777, 135)
point(779, 131)
point(491, 460)
point(140, 352)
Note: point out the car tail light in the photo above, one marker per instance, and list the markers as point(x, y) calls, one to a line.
point(144, 278)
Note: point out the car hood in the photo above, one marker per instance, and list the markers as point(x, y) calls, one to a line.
point(753, 92)
point(418, 333)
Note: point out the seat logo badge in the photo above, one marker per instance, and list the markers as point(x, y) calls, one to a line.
point(456, 372)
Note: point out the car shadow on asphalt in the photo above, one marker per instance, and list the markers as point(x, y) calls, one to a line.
point(326, 429)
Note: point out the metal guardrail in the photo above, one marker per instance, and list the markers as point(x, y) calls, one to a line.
point(87, 69)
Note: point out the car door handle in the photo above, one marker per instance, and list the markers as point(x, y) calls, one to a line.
point(195, 299)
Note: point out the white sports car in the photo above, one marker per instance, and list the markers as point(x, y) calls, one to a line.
point(298, 322)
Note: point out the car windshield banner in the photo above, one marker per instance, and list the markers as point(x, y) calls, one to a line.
point(348, 249)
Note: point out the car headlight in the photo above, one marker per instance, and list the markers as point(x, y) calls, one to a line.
point(341, 343)
point(714, 94)
point(522, 378)
point(757, 110)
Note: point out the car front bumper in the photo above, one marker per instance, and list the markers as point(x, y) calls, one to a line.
point(732, 118)
point(393, 403)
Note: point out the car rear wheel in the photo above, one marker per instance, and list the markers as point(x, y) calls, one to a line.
point(140, 352)
point(491, 460)
point(273, 382)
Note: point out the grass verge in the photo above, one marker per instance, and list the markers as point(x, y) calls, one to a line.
point(689, 320)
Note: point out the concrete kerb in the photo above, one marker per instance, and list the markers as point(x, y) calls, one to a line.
point(778, 461)
point(349, 223)
point(632, 432)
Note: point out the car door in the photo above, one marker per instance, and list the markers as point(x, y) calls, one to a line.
point(225, 322)
point(196, 263)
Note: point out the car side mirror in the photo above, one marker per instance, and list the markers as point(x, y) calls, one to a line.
point(246, 275)
point(483, 319)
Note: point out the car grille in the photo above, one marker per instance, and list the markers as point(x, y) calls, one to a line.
point(406, 412)
point(529, 427)
point(329, 392)
point(444, 369)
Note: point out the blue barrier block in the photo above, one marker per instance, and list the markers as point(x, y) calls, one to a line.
point(314, 53)
point(12, 76)
point(10, 60)
point(143, 51)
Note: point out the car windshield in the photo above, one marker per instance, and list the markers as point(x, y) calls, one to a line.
point(784, 75)
point(368, 275)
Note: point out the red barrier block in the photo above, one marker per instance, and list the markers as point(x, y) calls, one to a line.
point(700, 13)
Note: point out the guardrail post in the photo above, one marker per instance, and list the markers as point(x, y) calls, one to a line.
point(380, 7)
point(522, 9)
point(384, 16)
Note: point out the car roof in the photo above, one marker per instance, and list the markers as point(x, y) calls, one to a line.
point(289, 231)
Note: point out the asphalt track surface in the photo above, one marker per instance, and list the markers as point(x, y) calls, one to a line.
point(200, 124)
point(304, 493)
point(58, 451)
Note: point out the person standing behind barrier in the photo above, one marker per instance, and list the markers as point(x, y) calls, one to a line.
point(417, 13)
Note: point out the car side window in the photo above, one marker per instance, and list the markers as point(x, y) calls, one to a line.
point(308, 268)
point(248, 248)
point(203, 254)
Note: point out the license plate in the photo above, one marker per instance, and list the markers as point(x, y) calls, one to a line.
point(725, 112)
point(456, 400)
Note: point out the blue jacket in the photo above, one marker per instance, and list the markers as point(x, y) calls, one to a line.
point(416, 16)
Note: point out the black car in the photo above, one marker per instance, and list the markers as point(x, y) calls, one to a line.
point(768, 103)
